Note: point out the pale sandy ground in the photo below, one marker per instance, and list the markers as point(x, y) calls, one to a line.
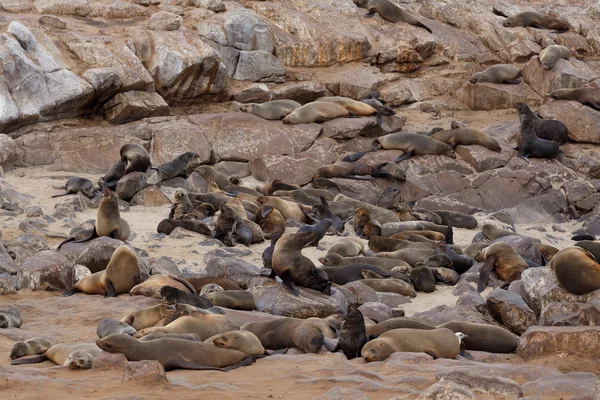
point(288, 377)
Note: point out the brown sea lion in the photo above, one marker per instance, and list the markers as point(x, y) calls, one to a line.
point(347, 247)
point(151, 286)
point(244, 341)
point(72, 355)
point(121, 274)
point(431, 235)
point(75, 185)
point(398, 323)
point(502, 258)
point(341, 275)
point(380, 244)
point(536, 20)
point(577, 270)
point(473, 249)
point(230, 229)
point(200, 323)
point(134, 157)
point(530, 145)
point(171, 295)
point(172, 169)
point(588, 96)
point(551, 54)
point(412, 144)
point(183, 208)
point(411, 256)
point(324, 184)
point(457, 219)
point(467, 137)
point(176, 353)
point(315, 112)
point(423, 279)
point(355, 107)
point(29, 347)
point(272, 110)
point(108, 221)
point(391, 285)
point(547, 251)
point(544, 128)
point(109, 326)
point(225, 283)
point(353, 334)
point(271, 221)
point(295, 269)
point(148, 317)
point(333, 259)
point(362, 220)
point(281, 333)
point(492, 232)
point(499, 73)
point(484, 337)
point(167, 226)
point(345, 170)
point(389, 11)
point(405, 213)
point(234, 299)
point(438, 343)
point(287, 208)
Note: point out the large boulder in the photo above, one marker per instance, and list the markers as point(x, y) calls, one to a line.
point(259, 66)
point(581, 121)
point(232, 268)
point(46, 270)
point(10, 154)
point(570, 314)
point(565, 74)
point(96, 254)
point(510, 309)
point(484, 159)
point(543, 341)
point(524, 245)
point(493, 96)
point(443, 313)
point(134, 105)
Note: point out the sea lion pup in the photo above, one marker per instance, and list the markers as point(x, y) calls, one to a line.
point(362, 218)
point(585, 95)
point(151, 286)
point(225, 283)
point(321, 211)
point(388, 11)
point(110, 326)
point(423, 279)
point(319, 230)
point(378, 105)
point(438, 343)
point(75, 185)
point(183, 208)
point(577, 270)
point(295, 269)
point(544, 128)
point(346, 170)
point(353, 334)
point(244, 341)
point(171, 295)
point(271, 221)
point(135, 157)
point(211, 288)
point(412, 144)
point(483, 337)
point(176, 353)
point(287, 208)
point(112, 176)
point(234, 299)
point(108, 221)
point(499, 73)
point(230, 229)
point(167, 226)
point(492, 232)
point(29, 347)
point(10, 317)
point(536, 20)
point(148, 317)
point(445, 276)
point(405, 213)
point(72, 355)
point(467, 137)
point(315, 112)
point(457, 219)
point(325, 184)
point(390, 285)
point(333, 259)
point(121, 274)
point(200, 322)
point(276, 109)
point(172, 169)
point(505, 260)
point(530, 145)
point(354, 272)
point(551, 54)
point(460, 262)
point(548, 252)
point(473, 249)
point(347, 247)
point(282, 333)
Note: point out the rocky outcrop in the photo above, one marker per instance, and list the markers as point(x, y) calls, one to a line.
point(46, 270)
point(492, 96)
point(581, 121)
point(510, 309)
point(565, 74)
point(134, 105)
point(543, 341)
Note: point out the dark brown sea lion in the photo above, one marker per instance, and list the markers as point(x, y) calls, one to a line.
point(467, 137)
point(423, 279)
point(174, 168)
point(346, 170)
point(500, 73)
point(332, 260)
point(353, 334)
point(585, 95)
point(412, 144)
point(502, 258)
point(167, 226)
point(389, 11)
point(536, 20)
point(281, 333)
point(547, 129)
point(530, 145)
point(171, 295)
point(341, 275)
point(75, 185)
point(234, 299)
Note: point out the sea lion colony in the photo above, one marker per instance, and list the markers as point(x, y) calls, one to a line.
point(210, 322)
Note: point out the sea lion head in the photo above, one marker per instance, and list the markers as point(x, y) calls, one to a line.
point(211, 288)
point(375, 145)
point(116, 343)
point(291, 119)
point(509, 22)
point(477, 77)
point(180, 195)
point(88, 189)
point(3, 321)
point(248, 107)
point(235, 180)
point(331, 259)
point(359, 3)
point(223, 340)
point(449, 151)
point(558, 94)
point(20, 349)
point(376, 350)
point(79, 360)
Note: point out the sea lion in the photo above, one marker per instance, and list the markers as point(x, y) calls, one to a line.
point(271, 221)
point(536, 20)
point(410, 256)
point(551, 54)
point(281, 333)
point(234, 299)
point(167, 226)
point(423, 279)
point(438, 343)
point(530, 145)
point(112, 176)
point(473, 249)
point(548, 252)
point(295, 269)
point(325, 184)
point(411, 144)
point(504, 259)
point(75, 185)
point(544, 128)
point(588, 96)
point(72, 355)
point(244, 341)
point(492, 232)
point(287, 208)
point(411, 237)
point(29, 347)
point(108, 221)
point(200, 323)
point(171, 295)
point(499, 73)
point(267, 255)
point(431, 235)
point(110, 326)
point(445, 276)
point(355, 107)
point(333, 259)
point(353, 334)
point(362, 218)
point(272, 110)
point(148, 317)
point(345, 170)
point(225, 283)
point(391, 285)
point(121, 274)
point(590, 245)
point(134, 157)
point(176, 353)
point(211, 288)
point(164, 335)
point(484, 337)
point(398, 323)
point(341, 275)
point(389, 171)
point(347, 247)
point(389, 11)
point(467, 137)
point(319, 230)
point(378, 105)
point(577, 270)
point(405, 213)
point(230, 229)
point(10, 317)
point(381, 244)
point(151, 286)
point(460, 262)
point(183, 208)
point(315, 112)
point(172, 169)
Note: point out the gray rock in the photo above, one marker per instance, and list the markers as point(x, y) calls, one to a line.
point(10, 154)
point(134, 105)
point(447, 390)
point(483, 384)
point(105, 81)
point(232, 268)
point(511, 310)
point(569, 385)
point(129, 185)
point(533, 280)
point(164, 21)
point(570, 314)
point(147, 373)
point(25, 247)
point(164, 265)
point(540, 341)
point(46, 270)
point(343, 393)
point(259, 66)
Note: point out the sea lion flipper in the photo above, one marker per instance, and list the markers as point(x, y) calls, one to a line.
point(60, 195)
point(404, 156)
point(29, 360)
point(331, 344)
point(178, 363)
point(464, 354)
point(378, 119)
point(354, 156)
point(595, 106)
point(291, 287)
point(484, 274)
point(513, 81)
point(370, 14)
point(432, 354)
point(243, 363)
point(358, 177)
point(109, 289)
point(69, 293)
point(419, 24)
point(524, 158)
